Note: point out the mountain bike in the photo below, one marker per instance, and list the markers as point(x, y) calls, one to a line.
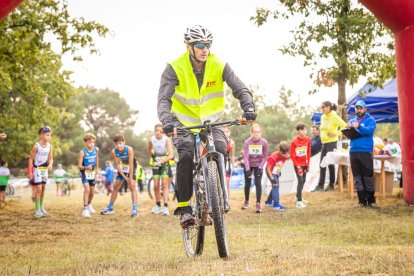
point(210, 201)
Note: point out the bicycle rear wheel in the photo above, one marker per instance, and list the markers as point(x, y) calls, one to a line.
point(193, 236)
point(217, 208)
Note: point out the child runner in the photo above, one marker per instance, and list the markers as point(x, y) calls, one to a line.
point(4, 179)
point(300, 152)
point(123, 157)
point(255, 155)
point(274, 170)
point(161, 150)
point(88, 164)
point(229, 158)
point(109, 177)
point(41, 158)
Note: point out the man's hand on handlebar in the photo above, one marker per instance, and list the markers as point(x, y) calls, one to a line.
point(168, 129)
point(249, 114)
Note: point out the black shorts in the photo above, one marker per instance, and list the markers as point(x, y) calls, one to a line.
point(40, 183)
point(3, 188)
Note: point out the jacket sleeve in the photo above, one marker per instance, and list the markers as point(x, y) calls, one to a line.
point(168, 83)
point(293, 154)
point(246, 156)
point(308, 155)
point(368, 128)
point(265, 154)
point(239, 89)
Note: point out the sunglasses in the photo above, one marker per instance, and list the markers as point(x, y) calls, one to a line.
point(202, 45)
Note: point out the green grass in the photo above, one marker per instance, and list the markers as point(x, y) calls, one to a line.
point(330, 237)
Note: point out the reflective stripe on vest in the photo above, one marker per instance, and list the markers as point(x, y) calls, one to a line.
point(192, 106)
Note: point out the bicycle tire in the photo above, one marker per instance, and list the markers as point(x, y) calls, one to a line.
point(193, 236)
point(217, 208)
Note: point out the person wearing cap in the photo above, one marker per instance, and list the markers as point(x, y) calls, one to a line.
point(361, 155)
point(192, 92)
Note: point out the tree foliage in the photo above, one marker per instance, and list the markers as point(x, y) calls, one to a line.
point(277, 120)
point(33, 86)
point(339, 39)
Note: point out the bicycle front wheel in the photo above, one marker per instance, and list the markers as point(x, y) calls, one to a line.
point(150, 188)
point(193, 236)
point(217, 208)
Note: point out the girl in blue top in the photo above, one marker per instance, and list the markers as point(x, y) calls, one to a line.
point(88, 163)
point(123, 157)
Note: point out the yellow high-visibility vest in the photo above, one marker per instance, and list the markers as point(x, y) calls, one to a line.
point(192, 106)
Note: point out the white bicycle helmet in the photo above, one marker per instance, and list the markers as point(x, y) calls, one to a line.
point(197, 33)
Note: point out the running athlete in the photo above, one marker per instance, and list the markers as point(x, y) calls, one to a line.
point(255, 156)
point(123, 157)
point(41, 158)
point(230, 149)
point(88, 164)
point(4, 179)
point(161, 150)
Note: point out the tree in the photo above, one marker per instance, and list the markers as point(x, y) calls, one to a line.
point(33, 85)
point(105, 113)
point(340, 39)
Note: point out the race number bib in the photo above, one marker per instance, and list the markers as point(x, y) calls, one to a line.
point(277, 169)
point(90, 174)
point(125, 167)
point(301, 151)
point(42, 172)
point(255, 150)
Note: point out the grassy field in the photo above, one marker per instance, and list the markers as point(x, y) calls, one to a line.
point(330, 237)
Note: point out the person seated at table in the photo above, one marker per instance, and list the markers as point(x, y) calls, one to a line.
point(361, 155)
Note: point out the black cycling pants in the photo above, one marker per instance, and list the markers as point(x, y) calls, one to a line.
point(257, 182)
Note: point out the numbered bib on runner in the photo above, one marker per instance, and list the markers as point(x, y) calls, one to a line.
point(255, 150)
point(301, 151)
point(42, 172)
point(277, 170)
point(125, 167)
point(90, 174)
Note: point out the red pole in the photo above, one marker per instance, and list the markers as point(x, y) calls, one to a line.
point(398, 15)
point(6, 6)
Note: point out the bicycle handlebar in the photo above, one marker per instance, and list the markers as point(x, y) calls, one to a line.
point(207, 124)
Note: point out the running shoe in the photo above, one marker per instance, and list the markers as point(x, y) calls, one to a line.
point(186, 220)
point(107, 211)
point(258, 208)
point(296, 200)
point(373, 206)
point(86, 213)
point(300, 204)
point(165, 211)
point(91, 210)
point(329, 189)
point(245, 205)
point(43, 210)
point(134, 213)
point(156, 210)
point(278, 207)
point(269, 203)
point(317, 189)
point(38, 214)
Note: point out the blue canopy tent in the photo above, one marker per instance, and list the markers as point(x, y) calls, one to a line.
point(382, 103)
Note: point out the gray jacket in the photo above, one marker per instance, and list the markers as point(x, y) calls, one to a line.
point(169, 81)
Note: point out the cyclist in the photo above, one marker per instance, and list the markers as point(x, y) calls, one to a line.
point(192, 92)
point(88, 163)
point(161, 150)
point(59, 175)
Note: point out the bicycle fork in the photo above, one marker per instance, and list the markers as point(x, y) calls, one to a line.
point(221, 169)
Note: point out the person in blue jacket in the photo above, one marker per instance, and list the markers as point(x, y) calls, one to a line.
point(361, 155)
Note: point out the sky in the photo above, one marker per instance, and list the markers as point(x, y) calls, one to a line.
point(146, 35)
